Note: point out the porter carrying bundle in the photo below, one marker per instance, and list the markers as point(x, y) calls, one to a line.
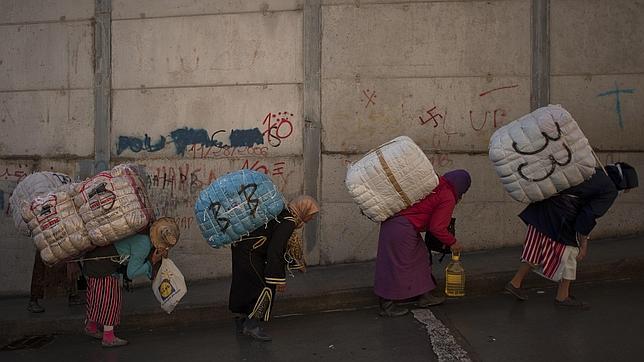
point(390, 178)
point(541, 154)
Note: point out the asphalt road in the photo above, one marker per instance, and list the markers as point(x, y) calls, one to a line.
point(490, 328)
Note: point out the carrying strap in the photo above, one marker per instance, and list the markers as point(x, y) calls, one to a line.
point(392, 178)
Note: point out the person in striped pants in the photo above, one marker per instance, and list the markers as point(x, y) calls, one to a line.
point(134, 256)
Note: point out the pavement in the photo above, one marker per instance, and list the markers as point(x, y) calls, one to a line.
point(322, 288)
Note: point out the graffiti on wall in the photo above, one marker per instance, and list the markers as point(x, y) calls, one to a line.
point(618, 105)
point(200, 143)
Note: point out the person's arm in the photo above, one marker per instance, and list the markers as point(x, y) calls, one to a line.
point(600, 195)
point(138, 264)
point(440, 220)
point(274, 272)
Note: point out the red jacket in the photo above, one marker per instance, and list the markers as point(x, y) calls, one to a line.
point(434, 212)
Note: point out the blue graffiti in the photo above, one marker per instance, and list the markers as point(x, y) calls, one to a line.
point(246, 137)
point(618, 106)
point(136, 145)
point(184, 137)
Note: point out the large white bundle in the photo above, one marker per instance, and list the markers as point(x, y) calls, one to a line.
point(32, 186)
point(390, 178)
point(541, 154)
point(113, 205)
point(56, 227)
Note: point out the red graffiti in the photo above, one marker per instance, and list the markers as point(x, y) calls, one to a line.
point(441, 160)
point(432, 117)
point(496, 89)
point(278, 127)
point(496, 116)
point(370, 97)
point(16, 174)
point(276, 169)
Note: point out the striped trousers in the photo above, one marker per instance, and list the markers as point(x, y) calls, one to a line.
point(550, 258)
point(104, 297)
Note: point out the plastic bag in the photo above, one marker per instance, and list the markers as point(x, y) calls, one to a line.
point(169, 286)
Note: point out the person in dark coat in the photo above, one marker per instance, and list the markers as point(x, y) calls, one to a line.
point(559, 228)
point(259, 263)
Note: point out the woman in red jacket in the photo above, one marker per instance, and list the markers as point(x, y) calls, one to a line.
point(403, 269)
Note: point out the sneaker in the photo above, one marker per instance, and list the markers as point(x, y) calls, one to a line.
point(519, 293)
point(116, 342)
point(96, 334)
point(572, 303)
point(429, 300)
point(34, 307)
point(390, 309)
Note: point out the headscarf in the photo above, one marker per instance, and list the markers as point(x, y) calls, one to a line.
point(302, 208)
point(460, 180)
point(623, 175)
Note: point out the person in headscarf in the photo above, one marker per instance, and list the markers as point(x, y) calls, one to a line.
point(132, 257)
point(403, 268)
point(259, 263)
point(558, 230)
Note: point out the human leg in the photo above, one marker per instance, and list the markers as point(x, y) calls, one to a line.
point(37, 285)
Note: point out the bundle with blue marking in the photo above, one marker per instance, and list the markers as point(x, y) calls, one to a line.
point(236, 204)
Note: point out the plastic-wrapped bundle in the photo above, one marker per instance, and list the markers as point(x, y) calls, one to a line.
point(390, 178)
point(57, 229)
point(32, 186)
point(541, 154)
point(236, 204)
point(113, 204)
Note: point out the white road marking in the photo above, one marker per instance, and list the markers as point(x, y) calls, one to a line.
point(443, 342)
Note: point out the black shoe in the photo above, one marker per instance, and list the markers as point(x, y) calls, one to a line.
point(572, 303)
point(239, 325)
point(34, 307)
point(390, 309)
point(429, 300)
point(519, 293)
point(252, 329)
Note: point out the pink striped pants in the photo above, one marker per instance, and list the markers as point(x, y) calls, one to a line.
point(104, 300)
point(540, 250)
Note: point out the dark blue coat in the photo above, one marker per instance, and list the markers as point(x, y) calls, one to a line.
point(574, 210)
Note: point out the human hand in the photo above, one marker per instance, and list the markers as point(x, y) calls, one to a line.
point(583, 250)
point(157, 255)
point(280, 288)
point(456, 248)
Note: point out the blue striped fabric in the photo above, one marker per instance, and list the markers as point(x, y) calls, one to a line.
point(236, 204)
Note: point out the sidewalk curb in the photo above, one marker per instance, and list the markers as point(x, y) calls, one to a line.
point(359, 297)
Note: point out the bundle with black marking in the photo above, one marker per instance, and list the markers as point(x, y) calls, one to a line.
point(57, 229)
point(113, 204)
point(541, 154)
point(32, 186)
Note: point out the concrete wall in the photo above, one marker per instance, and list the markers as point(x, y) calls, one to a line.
point(446, 73)
point(46, 107)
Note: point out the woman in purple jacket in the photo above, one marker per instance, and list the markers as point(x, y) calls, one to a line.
point(558, 230)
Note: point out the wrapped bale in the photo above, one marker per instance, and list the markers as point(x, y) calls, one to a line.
point(390, 178)
point(57, 229)
point(113, 204)
point(32, 186)
point(541, 154)
point(235, 205)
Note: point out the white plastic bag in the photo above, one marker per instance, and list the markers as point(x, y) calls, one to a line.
point(169, 286)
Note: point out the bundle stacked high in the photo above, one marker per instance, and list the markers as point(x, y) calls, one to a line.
point(34, 185)
point(113, 205)
point(541, 154)
point(235, 205)
point(390, 178)
point(57, 229)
